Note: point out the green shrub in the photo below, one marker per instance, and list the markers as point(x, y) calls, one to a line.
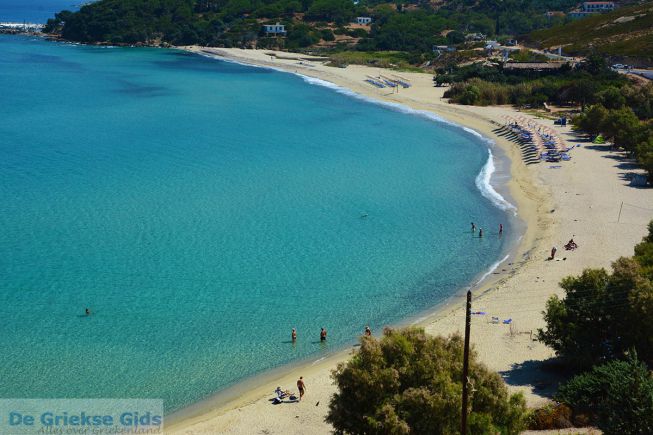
point(617, 395)
point(550, 416)
point(408, 382)
point(603, 315)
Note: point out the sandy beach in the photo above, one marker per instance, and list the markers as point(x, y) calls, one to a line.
point(588, 198)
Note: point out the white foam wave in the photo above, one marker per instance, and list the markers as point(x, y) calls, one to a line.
point(491, 270)
point(483, 180)
point(485, 186)
point(317, 361)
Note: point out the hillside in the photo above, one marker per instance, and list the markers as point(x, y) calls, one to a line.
point(412, 26)
point(626, 34)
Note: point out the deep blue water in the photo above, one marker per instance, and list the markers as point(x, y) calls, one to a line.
point(34, 11)
point(202, 209)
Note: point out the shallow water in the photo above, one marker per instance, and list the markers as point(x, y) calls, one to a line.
point(202, 209)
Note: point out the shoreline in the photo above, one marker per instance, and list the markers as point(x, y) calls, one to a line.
point(239, 395)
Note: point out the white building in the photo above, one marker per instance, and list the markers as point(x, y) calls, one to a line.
point(363, 20)
point(598, 6)
point(274, 29)
point(591, 8)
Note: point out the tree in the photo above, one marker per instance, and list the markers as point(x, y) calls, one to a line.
point(471, 95)
point(574, 325)
point(408, 382)
point(455, 37)
point(602, 315)
point(624, 127)
point(618, 395)
point(644, 254)
point(595, 64)
point(612, 98)
point(644, 154)
point(582, 91)
point(593, 119)
point(340, 11)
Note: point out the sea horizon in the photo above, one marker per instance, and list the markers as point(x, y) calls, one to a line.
point(34, 11)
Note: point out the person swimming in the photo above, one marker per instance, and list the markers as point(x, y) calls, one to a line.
point(87, 311)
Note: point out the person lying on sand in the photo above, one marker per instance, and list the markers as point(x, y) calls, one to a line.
point(282, 393)
point(571, 245)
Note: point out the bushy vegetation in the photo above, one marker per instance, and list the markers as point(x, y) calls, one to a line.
point(622, 33)
point(624, 116)
point(497, 85)
point(383, 59)
point(611, 104)
point(600, 328)
point(604, 315)
point(550, 416)
point(412, 26)
point(408, 382)
point(617, 396)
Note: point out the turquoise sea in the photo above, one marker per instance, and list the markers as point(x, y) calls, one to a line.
point(202, 209)
point(35, 11)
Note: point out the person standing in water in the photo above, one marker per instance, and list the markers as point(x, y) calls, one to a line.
point(368, 331)
point(293, 335)
point(480, 232)
point(473, 227)
point(301, 386)
point(323, 334)
point(87, 311)
point(500, 229)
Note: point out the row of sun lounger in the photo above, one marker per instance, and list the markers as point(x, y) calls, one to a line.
point(542, 140)
point(375, 82)
point(392, 82)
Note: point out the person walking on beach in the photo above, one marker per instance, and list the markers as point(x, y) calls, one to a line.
point(368, 331)
point(473, 227)
point(553, 253)
point(301, 386)
point(293, 335)
point(323, 334)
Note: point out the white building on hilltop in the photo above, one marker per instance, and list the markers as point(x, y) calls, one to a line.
point(274, 29)
point(598, 6)
point(363, 20)
point(591, 8)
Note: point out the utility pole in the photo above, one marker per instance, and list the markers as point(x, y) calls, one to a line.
point(468, 324)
